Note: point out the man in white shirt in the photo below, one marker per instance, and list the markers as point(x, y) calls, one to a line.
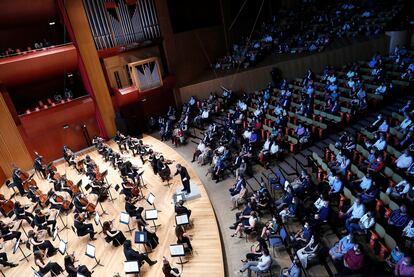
point(355, 212)
point(365, 183)
point(263, 264)
point(380, 144)
point(364, 223)
point(404, 161)
point(399, 190)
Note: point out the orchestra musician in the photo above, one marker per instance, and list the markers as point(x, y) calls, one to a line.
point(17, 180)
point(163, 169)
point(83, 228)
point(121, 140)
point(133, 255)
point(74, 271)
point(42, 222)
point(61, 185)
point(129, 189)
point(39, 166)
point(128, 170)
point(114, 236)
point(180, 209)
point(142, 150)
point(6, 206)
point(4, 260)
point(68, 156)
point(134, 211)
point(21, 213)
point(35, 239)
point(6, 233)
point(59, 202)
point(99, 189)
point(82, 205)
point(153, 159)
point(45, 265)
point(132, 144)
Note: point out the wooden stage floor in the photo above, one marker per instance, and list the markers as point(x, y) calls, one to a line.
point(207, 257)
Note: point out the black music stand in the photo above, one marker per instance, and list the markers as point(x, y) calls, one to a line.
point(59, 215)
point(90, 252)
point(151, 200)
point(105, 173)
point(177, 250)
point(142, 179)
point(124, 219)
point(152, 214)
point(142, 238)
point(17, 246)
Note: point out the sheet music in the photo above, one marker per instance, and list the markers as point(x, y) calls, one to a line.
point(124, 218)
point(62, 247)
point(181, 219)
point(177, 250)
point(90, 250)
point(151, 214)
point(151, 198)
point(97, 219)
point(131, 267)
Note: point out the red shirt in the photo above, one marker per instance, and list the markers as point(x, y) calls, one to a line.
point(353, 261)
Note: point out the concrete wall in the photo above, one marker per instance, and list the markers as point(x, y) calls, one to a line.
point(258, 78)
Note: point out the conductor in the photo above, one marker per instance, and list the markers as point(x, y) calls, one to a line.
point(185, 178)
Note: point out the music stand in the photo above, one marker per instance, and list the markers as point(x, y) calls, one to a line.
point(59, 215)
point(142, 179)
point(105, 173)
point(142, 238)
point(151, 200)
point(177, 250)
point(182, 219)
point(178, 197)
point(98, 222)
point(152, 214)
point(124, 219)
point(131, 267)
point(56, 234)
point(62, 247)
point(90, 252)
point(17, 246)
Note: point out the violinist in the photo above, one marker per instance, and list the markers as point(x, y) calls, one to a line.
point(35, 239)
point(153, 159)
point(18, 180)
point(73, 270)
point(83, 228)
point(132, 145)
point(133, 211)
point(116, 160)
point(142, 150)
point(21, 213)
point(42, 222)
point(45, 265)
point(99, 189)
point(128, 170)
point(39, 166)
point(163, 169)
point(7, 234)
point(114, 236)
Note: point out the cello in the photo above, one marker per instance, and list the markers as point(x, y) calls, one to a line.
point(6, 205)
point(89, 207)
point(27, 180)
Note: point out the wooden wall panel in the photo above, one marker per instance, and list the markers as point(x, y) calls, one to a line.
point(257, 78)
point(90, 58)
point(12, 147)
point(2, 177)
point(44, 130)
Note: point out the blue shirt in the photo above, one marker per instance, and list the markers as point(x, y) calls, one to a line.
point(294, 270)
point(336, 185)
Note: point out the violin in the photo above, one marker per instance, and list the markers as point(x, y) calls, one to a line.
point(6, 205)
point(90, 208)
point(27, 180)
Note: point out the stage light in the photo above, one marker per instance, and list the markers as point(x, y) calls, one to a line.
point(52, 23)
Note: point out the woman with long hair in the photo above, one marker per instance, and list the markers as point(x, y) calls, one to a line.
point(183, 237)
point(45, 265)
point(112, 235)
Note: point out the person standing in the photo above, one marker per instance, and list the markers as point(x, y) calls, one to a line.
point(185, 178)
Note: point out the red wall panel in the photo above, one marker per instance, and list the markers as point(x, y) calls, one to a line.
point(44, 131)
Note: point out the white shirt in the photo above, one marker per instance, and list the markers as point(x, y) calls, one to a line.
point(247, 134)
point(205, 114)
point(409, 230)
point(405, 123)
point(404, 161)
point(201, 146)
point(365, 222)
point(319, 203)
point(332, 79)
point(264, 262)
point(404, 185)
point(383, 127)
point(274, 148)
point(366, 183)
point(380, 144)
point(266, 145)
point(356, 211)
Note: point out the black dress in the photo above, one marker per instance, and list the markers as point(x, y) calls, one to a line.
point(116, 240)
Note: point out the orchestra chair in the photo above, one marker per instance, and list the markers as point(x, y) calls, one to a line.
point(10, 185)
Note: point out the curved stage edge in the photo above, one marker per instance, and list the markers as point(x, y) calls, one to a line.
point(207, 256)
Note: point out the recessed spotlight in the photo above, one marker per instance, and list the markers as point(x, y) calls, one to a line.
point(52, 23)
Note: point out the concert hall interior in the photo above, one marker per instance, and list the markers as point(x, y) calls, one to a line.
point(168, 138)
